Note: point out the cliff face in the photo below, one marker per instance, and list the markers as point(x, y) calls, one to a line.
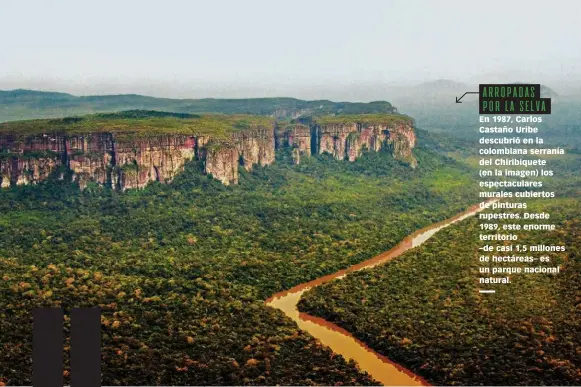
point(135, 163)
point(102, 158)
point(222, 162)
point(347, 141)
point(255, 148)
point(125, 161)
point(26, 170)
point(332, 138)
point(29, 160)
point(402, 140)
point(295, 136)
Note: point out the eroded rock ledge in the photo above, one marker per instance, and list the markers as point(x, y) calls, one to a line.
point(345, 137)
point(124, 160)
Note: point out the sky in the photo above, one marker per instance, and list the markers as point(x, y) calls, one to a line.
point(311, 48)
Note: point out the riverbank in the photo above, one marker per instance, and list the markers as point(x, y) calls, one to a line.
point(341, 341)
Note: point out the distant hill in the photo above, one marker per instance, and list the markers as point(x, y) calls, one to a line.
point(28, 104)
point(547, 92)
point(441, 85)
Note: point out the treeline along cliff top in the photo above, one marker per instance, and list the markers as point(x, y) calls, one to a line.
point(132, 148)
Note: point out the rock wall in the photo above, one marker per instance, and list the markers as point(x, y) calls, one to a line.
point(255, 147)
point(347, 141)
point(295, 136)
point(125, 162)
point(29, 160)
point(402, 141)
point(332, 138)
point(26, 169)
point(136, 162)
point(129, 161)
point(222, 161)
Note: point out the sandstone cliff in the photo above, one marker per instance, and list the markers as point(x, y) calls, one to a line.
point(255, 147)
point(125, 160)
point(222, 160)
point(346, 137)
point(348, 140)
point(295, 136)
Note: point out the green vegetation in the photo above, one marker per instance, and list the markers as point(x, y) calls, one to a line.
point(182, 270)
point(423, 309)
point(383, 119)
point(149, 123)
point(141, 123)
point(4, 153)
point(28, 104)
point(214, 146)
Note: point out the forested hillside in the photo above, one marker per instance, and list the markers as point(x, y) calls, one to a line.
point(423, 309)
point(30, 104)
point(182, 270)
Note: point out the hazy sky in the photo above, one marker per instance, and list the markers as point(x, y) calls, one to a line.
point(257, 48)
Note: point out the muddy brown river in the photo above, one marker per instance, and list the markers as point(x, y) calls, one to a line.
point(342, 342)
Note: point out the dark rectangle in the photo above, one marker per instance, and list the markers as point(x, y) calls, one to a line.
point(519, 105)
point(86, 347)
point(47, 347)
point(502, 88)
